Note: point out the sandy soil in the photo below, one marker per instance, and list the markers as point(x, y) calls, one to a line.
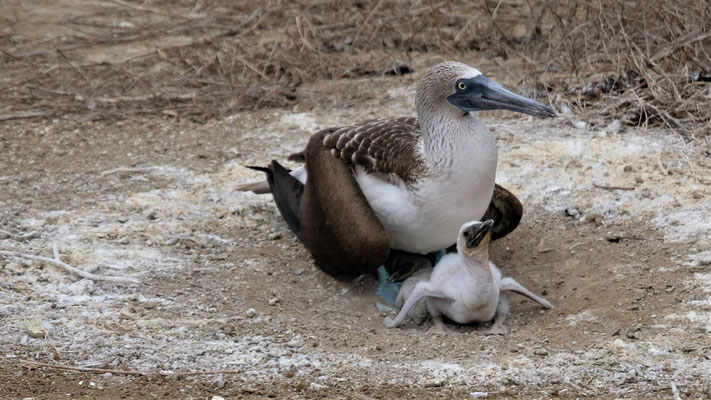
point(225, 286)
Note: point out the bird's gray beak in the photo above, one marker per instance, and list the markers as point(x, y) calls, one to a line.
point(476, 232)
point(482, 94)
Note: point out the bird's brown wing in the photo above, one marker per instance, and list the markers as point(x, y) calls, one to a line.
point(336, 222)
point(388, 146)
point(332, 217)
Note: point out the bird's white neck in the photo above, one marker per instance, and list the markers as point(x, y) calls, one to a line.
point(451, 138)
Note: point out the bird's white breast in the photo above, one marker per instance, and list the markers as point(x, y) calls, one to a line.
point(426, 216)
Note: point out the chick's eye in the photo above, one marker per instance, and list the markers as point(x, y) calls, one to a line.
point(466, 233)
point(462, 85)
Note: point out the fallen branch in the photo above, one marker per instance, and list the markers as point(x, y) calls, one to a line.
point(24, 114)
point(57, 262)
point(597, 185)
point(33, 364)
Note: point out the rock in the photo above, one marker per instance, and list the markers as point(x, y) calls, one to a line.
point(122, 219)
point(519, 32)
point(435, 382)
point(479, 395)
point(35, 329)
point(580, 125)
point(632, 332)
point(573, 212)
point(274, 236)
point(151, 215)
point(251, 313)
point(273, 301)
point(541, 351)
point(299, 272)
point(594, 218)
point(615, 237)
point(219, 383)
point(614, 127)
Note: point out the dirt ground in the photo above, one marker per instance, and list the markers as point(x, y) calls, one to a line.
point(616, 234)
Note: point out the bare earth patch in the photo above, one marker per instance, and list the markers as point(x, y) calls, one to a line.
point(225, 286)
point(616, 234)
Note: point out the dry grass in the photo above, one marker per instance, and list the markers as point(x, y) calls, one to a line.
point(645, 63)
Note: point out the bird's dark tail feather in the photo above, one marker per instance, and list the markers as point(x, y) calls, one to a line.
point(286, 191)
point(261, 187)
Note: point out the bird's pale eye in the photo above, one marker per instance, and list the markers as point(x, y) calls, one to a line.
point(462, 86)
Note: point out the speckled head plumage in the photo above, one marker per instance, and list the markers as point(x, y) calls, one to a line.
point(440, 82)
point(457, 87)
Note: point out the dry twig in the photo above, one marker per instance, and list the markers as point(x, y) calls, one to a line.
point(34, 364)
point(127, 170)
point(599, 186)
point(59, 263)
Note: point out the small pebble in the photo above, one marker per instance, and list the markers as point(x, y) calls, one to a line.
point(122, 219)
point(219, 382)
point(151, 215)
point(299, 272)
point(273, 301)
point(580, 124)
point(274, 236)
point(614, 127)
point(540, 351)
point(572, 212)
point(594, 218)
point(251, 313)
point(35, 329)
point(479, 395)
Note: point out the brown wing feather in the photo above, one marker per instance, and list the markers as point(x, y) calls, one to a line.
point(336, 222)
point(388, 146)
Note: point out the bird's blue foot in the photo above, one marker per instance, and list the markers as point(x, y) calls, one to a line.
point(439, 255)
point(387, 291)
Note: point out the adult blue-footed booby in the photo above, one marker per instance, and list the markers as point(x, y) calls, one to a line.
point(402, 183)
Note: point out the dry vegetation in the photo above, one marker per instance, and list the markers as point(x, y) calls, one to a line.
point(645, 63)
